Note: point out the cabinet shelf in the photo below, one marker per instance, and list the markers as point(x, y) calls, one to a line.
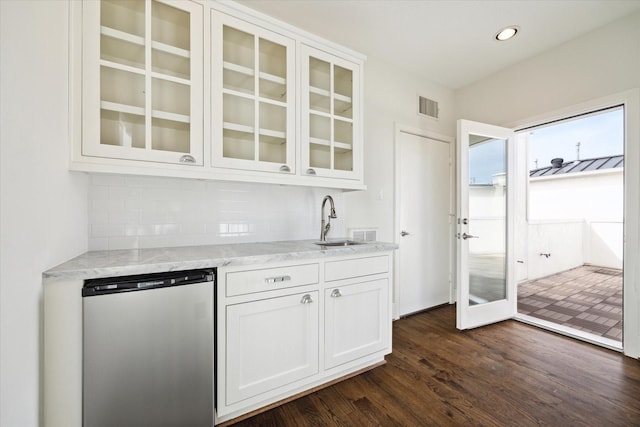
point(140, 71)
point(132, 38)
point(339, 147)
point(139, 111)
point(328, 115)
point(122, 67)
point(324, 92)
point(250, 130)
point(249, 72)
point(252, 97)
point(122, 108)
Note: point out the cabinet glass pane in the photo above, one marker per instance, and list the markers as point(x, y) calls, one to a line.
point(169, 135)
point(276, 90)
point(170, 34)
point(238, 81)
point(170, 26)
point(343, 132)
point(122, 87)
point(238, 111)
point(121, 51)
point(238, 144)
point(319, 101)
point(170, 64)
point(122, 129)
point(319, 156)
point(273, 118)
point(343, 159)
point(170, 97)
point(273, 70)
point(272, 149)
point(320, 74)
point(273, 127)
point(123, 15)
point(238, 57)
point(320, 128)
point(343, 92)
point(343, 145)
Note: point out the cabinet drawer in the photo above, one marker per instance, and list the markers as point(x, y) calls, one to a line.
point(269, 279)
point(344, 269)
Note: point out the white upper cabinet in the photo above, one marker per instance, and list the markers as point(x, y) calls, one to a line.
point(253, 85)
point(331, 141)
point(211, 90)
point(142, 80)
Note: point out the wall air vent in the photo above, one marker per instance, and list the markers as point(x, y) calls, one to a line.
point(427, 107)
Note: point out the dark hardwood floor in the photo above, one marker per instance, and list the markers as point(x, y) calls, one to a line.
point(507, 374)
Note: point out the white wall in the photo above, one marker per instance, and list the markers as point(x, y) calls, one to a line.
point(601, 63)
point(593, 199)
point(390, 96)
point(43, 207)
point(562, 240)
point(594, 196)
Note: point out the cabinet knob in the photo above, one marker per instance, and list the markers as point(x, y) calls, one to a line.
point(336, 293)
point(285, 168)
point(187, 158)
point(311, 171)
point(306, 299)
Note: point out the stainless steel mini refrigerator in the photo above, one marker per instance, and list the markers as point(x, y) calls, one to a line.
point(148, 350)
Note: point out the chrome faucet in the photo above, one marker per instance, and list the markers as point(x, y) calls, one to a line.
point(324, 226)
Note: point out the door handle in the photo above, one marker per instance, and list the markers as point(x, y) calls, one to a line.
point(404, 233)
point(466, 236)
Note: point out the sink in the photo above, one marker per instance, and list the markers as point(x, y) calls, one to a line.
point(339, 243)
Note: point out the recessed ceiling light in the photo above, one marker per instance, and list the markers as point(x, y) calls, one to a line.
point(506, 33)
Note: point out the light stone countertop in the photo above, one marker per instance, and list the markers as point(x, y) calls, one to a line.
point(96, 264)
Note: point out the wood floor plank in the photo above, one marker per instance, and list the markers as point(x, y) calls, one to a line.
point(498, 375)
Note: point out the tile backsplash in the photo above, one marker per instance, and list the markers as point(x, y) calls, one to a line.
point(127, 212)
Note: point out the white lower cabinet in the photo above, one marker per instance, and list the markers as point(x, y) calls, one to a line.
point(356, 319)
point(270, 343)
point(286, 328)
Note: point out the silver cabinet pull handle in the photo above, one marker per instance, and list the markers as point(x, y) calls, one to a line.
point(466, 236)
point(311, 171)
point(278, 279)
point(187, 158)
point(404, 233)
point(306, 299)
point(285, 168)
point(336, 293)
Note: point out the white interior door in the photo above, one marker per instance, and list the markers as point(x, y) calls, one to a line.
point(486, 286)
point(425, 225)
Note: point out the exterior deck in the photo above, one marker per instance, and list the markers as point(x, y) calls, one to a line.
point(587, 298)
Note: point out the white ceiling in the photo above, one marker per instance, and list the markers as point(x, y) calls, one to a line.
point(448, 42)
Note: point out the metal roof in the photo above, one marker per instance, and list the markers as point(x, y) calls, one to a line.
point(586, 165)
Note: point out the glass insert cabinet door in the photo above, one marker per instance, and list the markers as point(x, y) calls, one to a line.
point(253, 97)
point(485, 279)
point(142, 75)
point(330, 115)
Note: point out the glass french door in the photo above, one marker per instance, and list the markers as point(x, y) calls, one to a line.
point(485, 279)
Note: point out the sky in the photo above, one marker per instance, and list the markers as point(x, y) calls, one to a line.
point(599, 135)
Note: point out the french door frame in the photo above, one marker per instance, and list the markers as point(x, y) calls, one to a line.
point(468, 315)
